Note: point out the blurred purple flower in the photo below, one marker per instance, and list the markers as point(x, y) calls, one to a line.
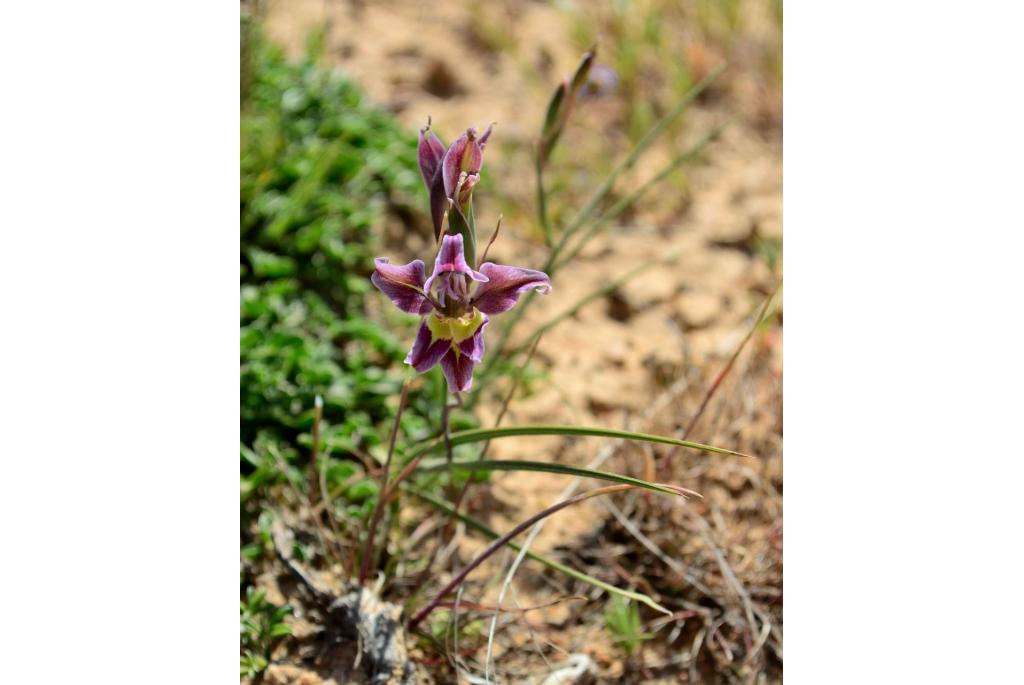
point(601, 82)
point(456, 302)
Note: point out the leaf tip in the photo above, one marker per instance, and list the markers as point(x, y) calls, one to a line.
point(681, 491)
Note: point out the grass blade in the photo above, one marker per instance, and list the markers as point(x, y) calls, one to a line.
point(551, 467)
point(762, 316)
point(631, 199)
point(479, 434)
point(481, 527)
point(599, 195)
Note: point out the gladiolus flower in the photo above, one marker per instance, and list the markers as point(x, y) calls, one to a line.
point(456, 302)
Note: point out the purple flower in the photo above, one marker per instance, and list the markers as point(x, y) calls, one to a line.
point(443, 167)
point(456, 302)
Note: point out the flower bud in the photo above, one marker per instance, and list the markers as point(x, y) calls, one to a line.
point(464, 156)
point(430, 152)
point(560, 106)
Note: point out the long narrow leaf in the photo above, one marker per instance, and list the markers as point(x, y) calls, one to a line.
point(482, 527)
point(549, 467)
point(595, 200)
point(584, 215)
point(479, 434)
point(629, 200)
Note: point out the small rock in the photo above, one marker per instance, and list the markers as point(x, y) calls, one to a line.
point(579, 665)
point(698, 309)
point(653, 285)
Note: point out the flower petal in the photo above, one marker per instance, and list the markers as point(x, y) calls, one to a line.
point(465, 154)
point(505, 285)
point(467, 189)
point(458, 370)
point(438, 203)
point(451, 259)
point(402, 284)
point(427, 350)
point(430, 152)
point(473, 346)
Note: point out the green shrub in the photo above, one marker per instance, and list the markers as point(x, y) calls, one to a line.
point(321, 171)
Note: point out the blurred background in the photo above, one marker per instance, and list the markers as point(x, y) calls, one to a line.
point(643, 321)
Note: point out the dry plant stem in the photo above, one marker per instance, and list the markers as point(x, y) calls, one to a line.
point(302, 502)
point(392, 490)
point(633, 530)
point(533, 633)
point(326, 506)
point(455, 630)
point(500, 542)
point(445, 531)
point(677, 388)
point(731, 578)
point(732, 360)
point(761, 316)
point(479, 526)
point(378, 508)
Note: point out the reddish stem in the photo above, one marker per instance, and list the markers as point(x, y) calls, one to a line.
point(500, 542)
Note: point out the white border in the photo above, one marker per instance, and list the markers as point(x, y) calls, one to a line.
point(119, 349)
point(903, 224)
point(903, 367)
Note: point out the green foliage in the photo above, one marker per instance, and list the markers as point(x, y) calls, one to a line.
point(321, 171)
point(261, 626)
point(622, 619)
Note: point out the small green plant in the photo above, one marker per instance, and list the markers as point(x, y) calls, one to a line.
point(622, 619)
point(262, 626)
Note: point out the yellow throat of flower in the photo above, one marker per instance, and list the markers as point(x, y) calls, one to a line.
point(453, 328)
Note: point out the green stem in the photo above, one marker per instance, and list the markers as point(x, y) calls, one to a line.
point(629, 200)
point(598, 197)
point(542, 204)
